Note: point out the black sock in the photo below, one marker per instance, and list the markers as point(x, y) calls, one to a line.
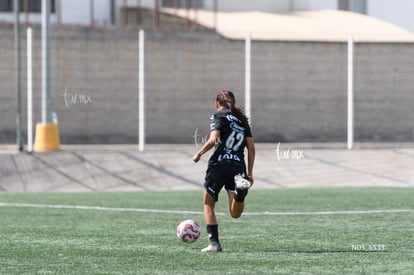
point(240, 195)
point(212, 231)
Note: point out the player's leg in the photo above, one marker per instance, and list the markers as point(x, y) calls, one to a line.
point(212, 187)
point(237, 188)
point(236, 208)
point(211, 224)
point(209, 205)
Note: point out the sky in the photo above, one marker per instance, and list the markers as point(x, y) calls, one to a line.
point(398, 12)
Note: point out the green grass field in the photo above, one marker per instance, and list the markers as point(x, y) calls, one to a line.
point(38, 240)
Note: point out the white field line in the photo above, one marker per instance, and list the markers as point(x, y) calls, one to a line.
point(160, 211)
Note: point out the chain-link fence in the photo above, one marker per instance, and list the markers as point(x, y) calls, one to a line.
point(299, 89)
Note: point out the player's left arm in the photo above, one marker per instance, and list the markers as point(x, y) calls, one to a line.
point(213, 139)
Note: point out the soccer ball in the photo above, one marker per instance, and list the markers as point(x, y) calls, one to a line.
point(188, 231)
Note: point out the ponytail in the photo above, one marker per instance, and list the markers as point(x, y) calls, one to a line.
point(228, 100)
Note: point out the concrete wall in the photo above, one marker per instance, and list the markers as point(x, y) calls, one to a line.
point(298, 89)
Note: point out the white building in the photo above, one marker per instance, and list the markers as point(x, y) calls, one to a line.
point(103, 12)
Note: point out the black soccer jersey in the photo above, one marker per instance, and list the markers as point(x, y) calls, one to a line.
point(229, 150)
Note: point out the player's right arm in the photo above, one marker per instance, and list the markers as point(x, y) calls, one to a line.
point(251, 152)
point(213, 139)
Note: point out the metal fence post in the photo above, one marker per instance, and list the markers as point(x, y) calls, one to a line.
point(18, 75)
point(141, 98)
point(29, 92)
point(350, 92)
point(247, 76)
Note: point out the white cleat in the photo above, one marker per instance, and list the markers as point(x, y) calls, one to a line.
point(213, 247)
point(241, 182)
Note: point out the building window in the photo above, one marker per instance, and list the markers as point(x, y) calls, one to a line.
point(183, 3)
point(34, 5)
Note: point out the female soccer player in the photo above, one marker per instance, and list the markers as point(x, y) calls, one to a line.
point(229, 133)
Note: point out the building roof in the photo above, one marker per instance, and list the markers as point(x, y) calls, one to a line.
point(325, 25)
